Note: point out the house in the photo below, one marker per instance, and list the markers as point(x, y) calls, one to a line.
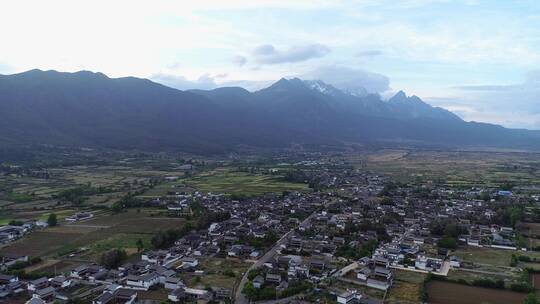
point(173, 283)
point(46, 293)
point(363, 273)
point(156, 257)
point(221, 293)
point(317, 263)
point(79, 272)
point(235, 251)
point(455, 262)
point(104, 298)
point(8, 260)
point(6, 279)
point(145, 281)
point(273, 278)
point(348, 297)
point(258, 281)
point(11, 289)
point(10, 233)
point(427, 263)
point(35, 301)
point(126, 296)
point(79, 216)
point(99, 275)
point(60, 282)
point(189, 262)
point(38, 284)
point(177, 295)
point(197, 294)
point(473, 241)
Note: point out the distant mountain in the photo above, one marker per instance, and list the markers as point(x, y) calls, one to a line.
point(90, 109)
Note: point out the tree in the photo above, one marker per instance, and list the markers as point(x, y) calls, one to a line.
point(113, 258)
point(52, 220)
point(531, 299)
point(140, 245)
point(249, 290)
point(447, 242)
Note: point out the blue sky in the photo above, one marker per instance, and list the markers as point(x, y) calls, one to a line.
point(480, 59)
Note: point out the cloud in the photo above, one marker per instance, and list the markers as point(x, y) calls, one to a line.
point(207, 82)
point(513, 105)
point(268, 54)
point(350, 79)
point(239, 60)
point(488, 88)
point(5, 68)
point(369, 53)
point(204, 82)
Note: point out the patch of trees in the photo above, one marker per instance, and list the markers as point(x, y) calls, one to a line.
point(23, 275)
point(52, 220)
point(78, 194)
point(443, 228)
point(166, 238)
point(350, 252)
point(113, 258)
point(488, 283)
point(379, 228)
point(295, 176)
point(22, 264)
point(260, 243)
point(388, 188)
point(531, 299)
point(447, 242)
point(128, 201)
point(269, 292)
point(508, 215)
point(20, 197)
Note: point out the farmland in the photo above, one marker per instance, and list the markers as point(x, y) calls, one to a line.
point(94, 236)
point(406, 288)
point(226, 180)
point(455, 168)
point(241, 183)
point(450, 293)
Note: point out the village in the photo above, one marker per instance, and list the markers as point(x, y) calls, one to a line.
point(344, 243)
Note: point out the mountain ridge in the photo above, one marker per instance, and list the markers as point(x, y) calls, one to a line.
point(90, 109)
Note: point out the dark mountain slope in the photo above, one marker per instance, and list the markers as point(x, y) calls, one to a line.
point(90, 109)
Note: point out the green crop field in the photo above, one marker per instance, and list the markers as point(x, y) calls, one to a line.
point(101, 233)
point(241, 183)
point(454, 168)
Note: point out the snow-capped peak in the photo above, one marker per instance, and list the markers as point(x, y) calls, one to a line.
point(328, 89)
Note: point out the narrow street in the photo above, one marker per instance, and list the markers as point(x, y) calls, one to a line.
point(239, 297)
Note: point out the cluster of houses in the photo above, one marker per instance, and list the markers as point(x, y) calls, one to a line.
point(10, 233)
point(42, 290)
point(317, 234)
point(79, 216)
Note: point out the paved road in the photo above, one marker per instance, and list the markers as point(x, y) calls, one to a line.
point(239, 297)
point(343, 271)
point(87, 226)
point(444, 269)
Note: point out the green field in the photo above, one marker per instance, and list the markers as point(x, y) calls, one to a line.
point(241, 183)
point(454, 168)
point(406, 288)
point(96, 235)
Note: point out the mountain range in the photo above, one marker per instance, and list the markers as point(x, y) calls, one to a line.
point(86, 109)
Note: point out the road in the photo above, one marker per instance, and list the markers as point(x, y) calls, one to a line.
point(239, 297)
point(343, 271)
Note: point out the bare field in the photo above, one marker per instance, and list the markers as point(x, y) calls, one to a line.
point(450, 293)
point(455, 168)
point(104, 230)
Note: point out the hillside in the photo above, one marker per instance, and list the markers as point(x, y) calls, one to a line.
point(93, 110)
